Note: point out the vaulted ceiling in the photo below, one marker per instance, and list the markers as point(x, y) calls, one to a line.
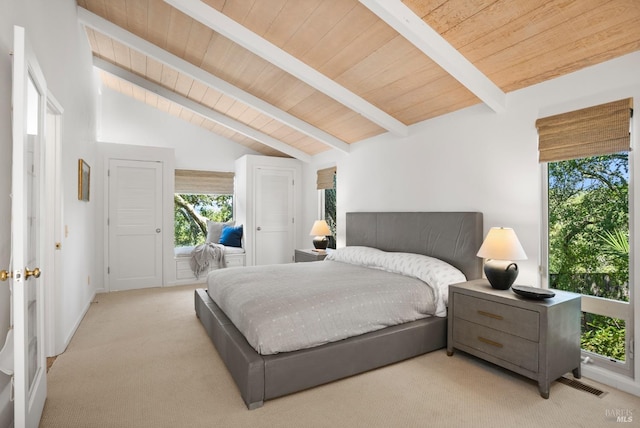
point(298, 77)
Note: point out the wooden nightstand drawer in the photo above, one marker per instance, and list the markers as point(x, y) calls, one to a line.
point(515, 350)
point(516, 321)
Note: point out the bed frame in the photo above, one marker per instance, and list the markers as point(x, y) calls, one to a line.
point(454, 237)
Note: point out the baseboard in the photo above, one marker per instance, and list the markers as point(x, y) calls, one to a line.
point(77, 323)
point(614, 380)
point(6, 405)
point(200, 280)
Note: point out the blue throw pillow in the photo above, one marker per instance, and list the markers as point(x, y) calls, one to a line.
point(231, 236)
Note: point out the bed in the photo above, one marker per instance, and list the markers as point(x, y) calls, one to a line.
point(453, 237)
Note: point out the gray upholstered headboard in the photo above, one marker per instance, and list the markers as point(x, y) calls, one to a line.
point(454, 237)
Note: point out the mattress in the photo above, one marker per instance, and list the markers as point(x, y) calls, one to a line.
point(283, 308)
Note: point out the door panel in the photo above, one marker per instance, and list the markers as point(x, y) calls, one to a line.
point(274, 216)
point(29, 101)
point(135, 221)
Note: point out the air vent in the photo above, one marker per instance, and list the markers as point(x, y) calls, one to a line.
point(582, 387)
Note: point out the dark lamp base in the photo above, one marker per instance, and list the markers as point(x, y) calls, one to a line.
point(320, 242)
point(501, 273)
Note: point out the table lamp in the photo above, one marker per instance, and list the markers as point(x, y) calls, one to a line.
point(320, 230)
point(500, 248)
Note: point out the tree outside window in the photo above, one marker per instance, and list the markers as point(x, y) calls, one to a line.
point(191, 213)
point(589, 240)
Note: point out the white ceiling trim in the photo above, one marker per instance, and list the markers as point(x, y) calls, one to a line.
point(230, 29)
point(107, 28)
point(431, 43)
point(199, 109)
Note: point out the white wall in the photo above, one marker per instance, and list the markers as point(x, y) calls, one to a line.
point(64, 56)
point(125, 120)
point(475, 159)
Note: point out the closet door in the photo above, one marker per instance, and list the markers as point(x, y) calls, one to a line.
point(135, 222)
point(274, 216)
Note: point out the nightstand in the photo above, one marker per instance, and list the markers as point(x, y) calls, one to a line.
point(310, 255)
point(539, 339)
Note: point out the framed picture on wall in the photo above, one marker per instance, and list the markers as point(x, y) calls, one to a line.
point(84, 179)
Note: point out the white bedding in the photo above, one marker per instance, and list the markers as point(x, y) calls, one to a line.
point(282, 308)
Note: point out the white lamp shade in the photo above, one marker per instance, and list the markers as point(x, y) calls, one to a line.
point(501, 243)
point(320, 228)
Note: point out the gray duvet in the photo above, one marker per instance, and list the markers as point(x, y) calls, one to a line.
point(282, 308)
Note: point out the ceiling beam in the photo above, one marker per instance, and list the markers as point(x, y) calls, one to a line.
point(230, 29)
point(199, 109)
point(431, 43)
point(134, 42)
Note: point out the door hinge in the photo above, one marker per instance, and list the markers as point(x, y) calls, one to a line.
point(108, 270)
point(12, 392)
point(107, 221)
point(293, 220)
point(632, 345)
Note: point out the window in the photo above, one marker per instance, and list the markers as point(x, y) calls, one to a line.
point(200, 196)
point(588, 245)
point(326, 185)
point(587, 234)
point(191, 213)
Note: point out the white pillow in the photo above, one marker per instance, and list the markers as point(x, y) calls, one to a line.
point(214, 230)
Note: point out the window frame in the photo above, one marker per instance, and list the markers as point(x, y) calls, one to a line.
point(598, 305)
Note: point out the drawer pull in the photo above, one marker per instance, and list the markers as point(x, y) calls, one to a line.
point(490, 342)
point(490, 315)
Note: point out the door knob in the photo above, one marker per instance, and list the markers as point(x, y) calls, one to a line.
point(35, 273)
point(158, 230)
point(4, 275)
point(258, 228)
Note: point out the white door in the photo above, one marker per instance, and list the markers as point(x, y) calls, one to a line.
point(135, 224)
point(29, 103)
point(274, 216)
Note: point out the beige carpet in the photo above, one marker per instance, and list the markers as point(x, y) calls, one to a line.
point(142, 359)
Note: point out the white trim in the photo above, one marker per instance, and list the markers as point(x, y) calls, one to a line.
point(607, 377)
point(103, 26)
point(224, 25)
point(76, 324)
point(53, 228)
point(432, 44)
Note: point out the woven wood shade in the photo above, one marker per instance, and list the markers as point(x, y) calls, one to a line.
point(325, 178)
point(203, 182)
point(592, 131)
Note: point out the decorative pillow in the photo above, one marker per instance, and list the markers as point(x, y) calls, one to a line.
point(231, 236)
point(214, 229)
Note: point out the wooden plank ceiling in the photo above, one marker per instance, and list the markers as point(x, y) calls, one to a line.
point(514, 43)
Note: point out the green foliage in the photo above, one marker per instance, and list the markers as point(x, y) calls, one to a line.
point(604, 336)
point(330, 212)
point(192, 211)
point(588, 201)
point(616, 242)
point(589, 241)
